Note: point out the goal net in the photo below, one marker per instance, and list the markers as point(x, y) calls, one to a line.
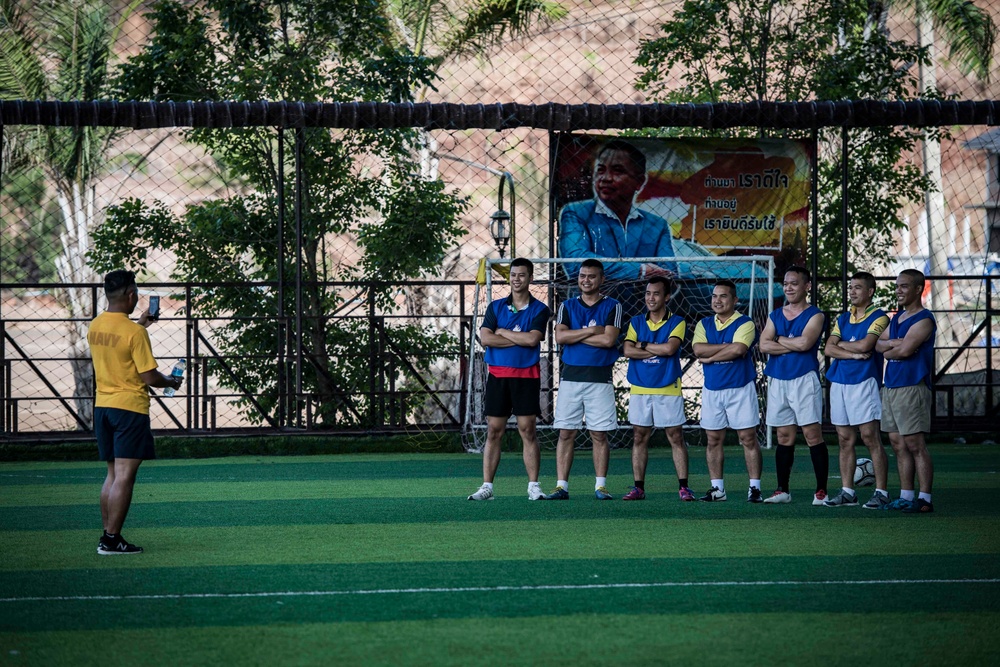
point(555, 280)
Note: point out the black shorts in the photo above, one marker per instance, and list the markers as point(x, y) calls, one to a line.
point(123, 434)
point(512, 396)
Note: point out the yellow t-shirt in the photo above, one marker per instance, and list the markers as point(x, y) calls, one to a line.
point(875, 329)
point(673, 389)
point(120, 350)
point(745, 334)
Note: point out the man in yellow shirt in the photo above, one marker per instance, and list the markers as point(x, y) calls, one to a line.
point(125, 369)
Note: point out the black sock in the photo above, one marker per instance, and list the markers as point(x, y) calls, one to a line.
point(640, 484)
point(821, 464)
point(784, 457)
point(682, 482)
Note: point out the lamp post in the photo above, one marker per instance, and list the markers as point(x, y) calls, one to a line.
point(502, 222)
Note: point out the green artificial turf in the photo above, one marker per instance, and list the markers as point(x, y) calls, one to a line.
point(379, 559)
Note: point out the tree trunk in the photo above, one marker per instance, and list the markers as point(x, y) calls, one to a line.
point(78, 208)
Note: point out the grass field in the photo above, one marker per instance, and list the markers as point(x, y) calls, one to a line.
point(379, 559)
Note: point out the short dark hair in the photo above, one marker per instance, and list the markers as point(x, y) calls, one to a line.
point(918, 276)
point(865, 277)
point(668, 284)
point(117, 282)
point(801, 270)
point(591, 263)
point(635, 156)
point(727, 283)
point(526, 263)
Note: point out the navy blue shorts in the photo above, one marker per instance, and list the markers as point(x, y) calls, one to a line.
point(123, 434)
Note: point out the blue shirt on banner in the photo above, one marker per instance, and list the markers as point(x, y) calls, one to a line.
point(590, 229)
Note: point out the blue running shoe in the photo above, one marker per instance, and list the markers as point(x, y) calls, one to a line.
point(898, 504)
point(602, 494)
point(559, 494)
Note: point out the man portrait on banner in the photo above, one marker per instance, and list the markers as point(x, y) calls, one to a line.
point(611, 225)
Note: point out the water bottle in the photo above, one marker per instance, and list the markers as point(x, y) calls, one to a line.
point(178, 372)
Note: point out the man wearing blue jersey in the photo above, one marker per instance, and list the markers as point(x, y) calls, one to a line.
point(908, 347)
point(794, 397)
point(723, 343)
point(512, 332)
point(652, 345)
point(855, 377)
point(587, 329)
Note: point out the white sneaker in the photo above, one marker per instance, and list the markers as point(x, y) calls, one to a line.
point(484, 493)
point(535, 492)
point(779, 497)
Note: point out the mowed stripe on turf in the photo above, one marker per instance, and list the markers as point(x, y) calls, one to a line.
point(408, 510)
point(616, 637)
point(491, 540)
point(510, 486)
point(512, 601)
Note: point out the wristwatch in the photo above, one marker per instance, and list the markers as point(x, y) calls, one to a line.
point(642, 345)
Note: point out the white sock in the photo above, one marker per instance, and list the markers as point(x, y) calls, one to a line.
point(532, 484)
point(600, 481)
point(755, 483)
point(907, 495)
point(564, 484)
point(488, 485)
point(883, 492)
point(848, 490)
point(718, 483)
point(926, 497)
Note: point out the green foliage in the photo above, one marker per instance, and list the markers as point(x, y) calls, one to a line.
point(28, 254)
point(357, 185)
point(744, 50)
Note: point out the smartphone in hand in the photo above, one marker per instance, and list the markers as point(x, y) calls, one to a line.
point(154, 308)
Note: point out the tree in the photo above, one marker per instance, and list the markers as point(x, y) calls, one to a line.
point(746, 50)
point(358, 187)
point(61, 50)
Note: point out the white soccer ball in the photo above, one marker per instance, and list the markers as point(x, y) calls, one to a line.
point(864, 473)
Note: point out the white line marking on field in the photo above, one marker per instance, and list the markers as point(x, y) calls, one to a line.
point(493, 589)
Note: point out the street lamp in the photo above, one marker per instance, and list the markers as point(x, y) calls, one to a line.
point(502, 222)
point(500, 229)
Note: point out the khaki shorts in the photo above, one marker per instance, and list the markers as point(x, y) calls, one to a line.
point(906, 410)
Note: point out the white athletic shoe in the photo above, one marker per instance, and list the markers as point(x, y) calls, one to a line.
point(535, 492)
point(484, 493)
point(779, 497)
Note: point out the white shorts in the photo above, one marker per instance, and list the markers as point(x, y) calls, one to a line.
point(730, 408)
point(855, 404)
point(796, 402)
point(656, 410)
point(596, 400)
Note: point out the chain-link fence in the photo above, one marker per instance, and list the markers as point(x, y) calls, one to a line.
point(312, 284)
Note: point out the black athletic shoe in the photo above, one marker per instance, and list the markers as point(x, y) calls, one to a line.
point(754, 496)
point(921, 506)
point(119, 547)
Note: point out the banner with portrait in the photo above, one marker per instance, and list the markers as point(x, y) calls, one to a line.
point(687, 198)
point(724, 194)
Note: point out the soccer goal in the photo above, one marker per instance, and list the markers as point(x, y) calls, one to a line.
point(555, 281)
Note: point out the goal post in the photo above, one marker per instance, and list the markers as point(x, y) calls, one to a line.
point(554, 281)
